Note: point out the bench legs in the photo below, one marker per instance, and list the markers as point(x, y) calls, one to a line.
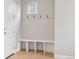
point(44, 47)
point(35, 46)
point(27, 47)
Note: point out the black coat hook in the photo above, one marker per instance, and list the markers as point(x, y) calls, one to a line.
point(33, 17)
point(40, 16)
point(47, 16)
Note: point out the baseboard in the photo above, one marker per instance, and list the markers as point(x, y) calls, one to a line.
point(12, 53)
point(57, 56)
point(9, 56)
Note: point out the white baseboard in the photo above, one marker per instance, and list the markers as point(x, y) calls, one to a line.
point(5, 56)
point(64, 57)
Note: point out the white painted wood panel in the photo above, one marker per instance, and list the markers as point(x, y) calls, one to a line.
point(65, 27)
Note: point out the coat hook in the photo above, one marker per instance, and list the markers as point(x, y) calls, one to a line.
point(47, 16)
point(40, 16)
point(33, 17)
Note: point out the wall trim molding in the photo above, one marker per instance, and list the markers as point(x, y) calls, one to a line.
point(58, 56)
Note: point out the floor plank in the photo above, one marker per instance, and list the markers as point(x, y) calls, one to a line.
point(31, 55)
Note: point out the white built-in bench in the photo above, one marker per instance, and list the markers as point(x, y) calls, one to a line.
point(35, 43)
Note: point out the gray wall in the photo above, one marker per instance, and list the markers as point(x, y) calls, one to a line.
point(65, 27)
point(38, 28)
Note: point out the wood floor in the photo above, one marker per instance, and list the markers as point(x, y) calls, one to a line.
point(31, 55)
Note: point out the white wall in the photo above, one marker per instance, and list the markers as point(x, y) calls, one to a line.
point(11, 25)
point(65, 27)
point(18, 23)
point(18, 19)
point(10, 28)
